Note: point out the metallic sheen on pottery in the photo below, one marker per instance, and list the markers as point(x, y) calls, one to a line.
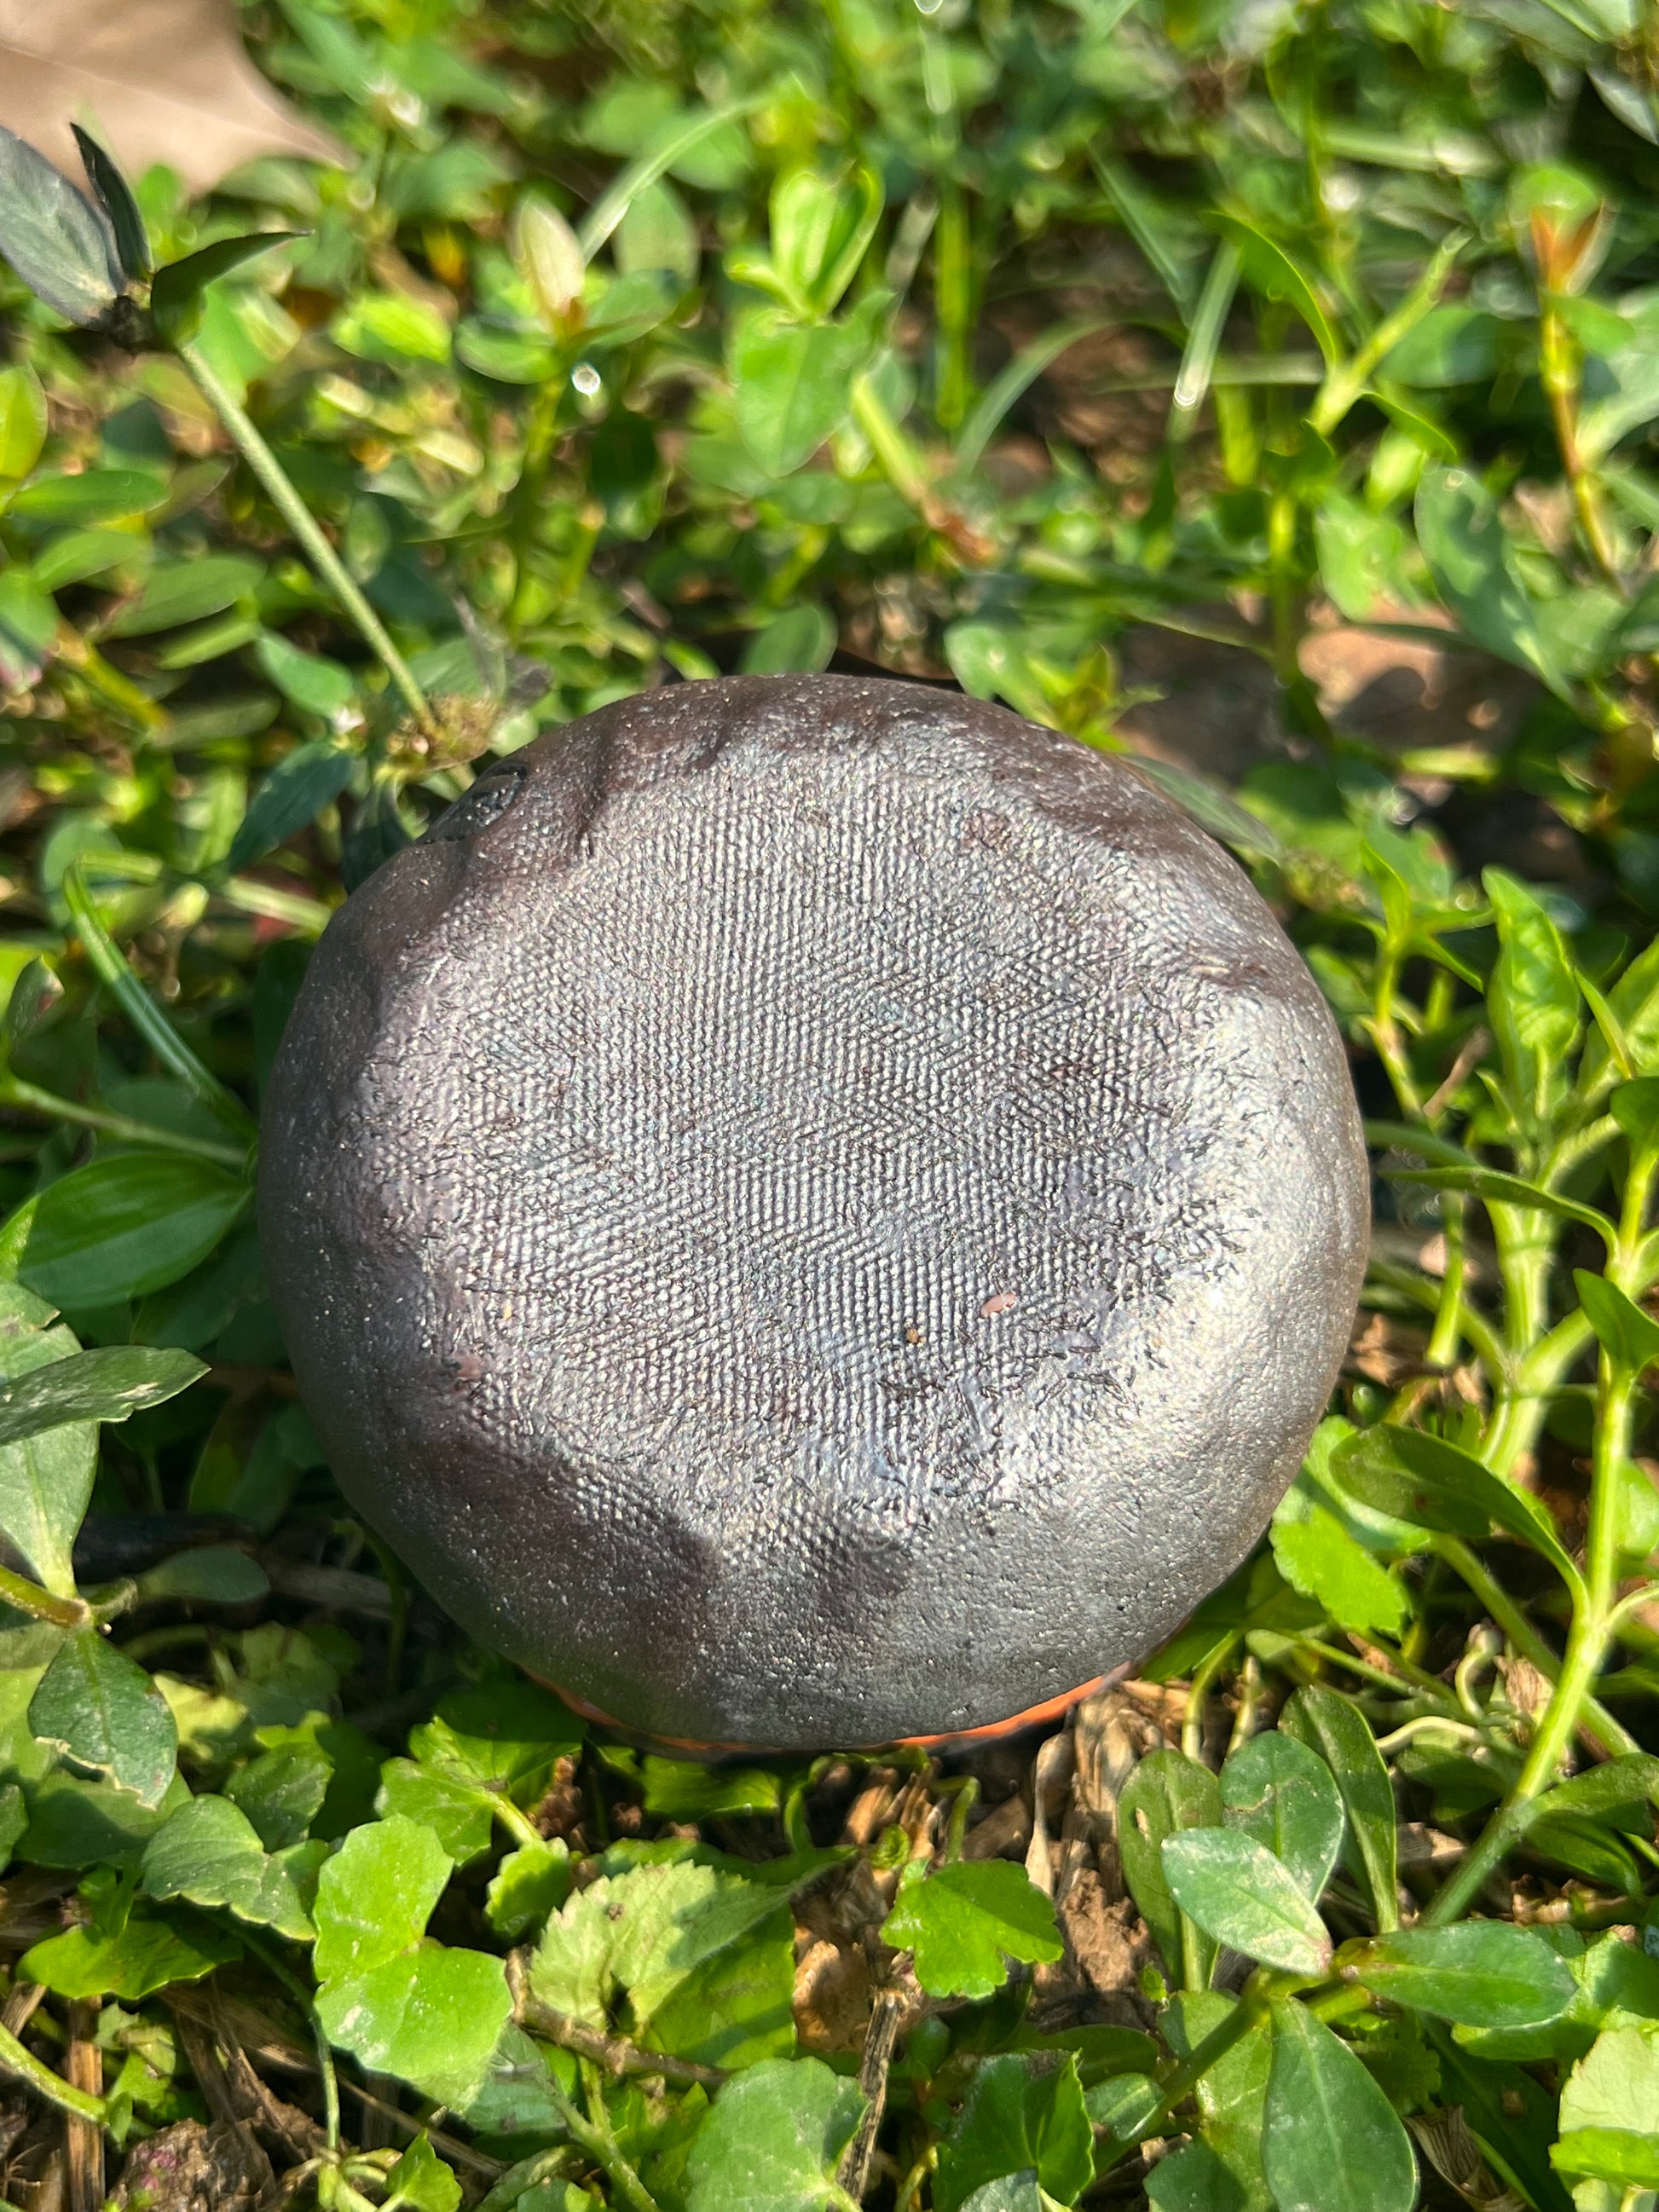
point(812, 1211)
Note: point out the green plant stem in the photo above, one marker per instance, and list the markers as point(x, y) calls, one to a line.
point(27, 1099)
point(1343, 386)
point(595, 2138)
point(1250, 2010)
point(1558, 369)
point(18, 1591)
point(1587, 1644)
point(304, 524)
point(17, 2058)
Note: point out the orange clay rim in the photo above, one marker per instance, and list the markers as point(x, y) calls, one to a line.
point(1051, 1709)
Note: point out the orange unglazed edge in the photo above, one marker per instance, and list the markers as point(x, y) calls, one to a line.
point(1052, 1709)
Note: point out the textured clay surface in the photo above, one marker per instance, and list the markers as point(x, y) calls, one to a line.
point(811, 1210)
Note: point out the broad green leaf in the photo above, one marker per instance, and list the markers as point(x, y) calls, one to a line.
point(966, 1921)
point(1224, 2168)
point(29, 628)
point(146, 1955)
point(185, 591)
point(794, 382)
point(45, 1481)
point(1019, 2112)
point(209, 1854)
point(1269, 269)
point(802, 637)
point(420, 2182)
point(1328, 1724)
point(104, 1713)
point(1614, 1785)
point(529, 1885)
point(433, 2017)
point(1330, 2139)
point(1241, 1894)
point(126, 1224)
point(458, 1812)
point(92, 496)
point(22, 421)
point(1477, 569)
point(1417, 1477)
point(1317, 1556)
point(1629, 2161)
point(1280, 1794)
point(774, 2141)
point(176, 302)
point(50, 236)
point(376, 1895)
point(1628, 1336)
point(508, 1736)
point(1167, 1793)
point(215, 1574)
point(658, 232)
point(1610, 2110)
point(282, 1791)
point(311, 681)
point(108, 1384)
point(1450, 345)
point(1482, 1973)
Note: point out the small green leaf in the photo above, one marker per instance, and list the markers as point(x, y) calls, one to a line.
point(104, 1713)
point(433, 2017)
point(209, 1854)
point(52, 237)
point(309, 680)
point(1328, 1724)
point(281, 1792)
point(92, 496)
point(289, 799)
point(794, 382)
point(214, 1574)
point(1417, 1477)
point(774, 2141)
point(420, 2182)
point(1167, 1793)
point(507, 1736)
point(1020, 2111)
point(126, 1224)
point(29, 628)
point(146, 1955)
point(1610, 2109)
point(529, 1885)
point(22, 421)
point(548, 256)
point(965, 1921)
point(109, 1384)
point(1330, 2139)
point(185, 591)
point(1477, 570)
point(115, 197)
point(176, 302)
point(457, 1812)
point(45, 1481)
point(1317, 1556)
point(391, 327)
point(1481, 1973)
point(1280, 1794)
point(686, 1790)
point(1628, 1336)
point(376, 1895)
point(1243, 1895)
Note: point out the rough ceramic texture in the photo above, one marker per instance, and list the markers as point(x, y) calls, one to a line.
point(812, 1211)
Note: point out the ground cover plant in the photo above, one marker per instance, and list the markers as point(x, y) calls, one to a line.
point(1268, 390)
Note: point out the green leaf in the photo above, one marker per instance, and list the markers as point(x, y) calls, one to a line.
point(109, 1384)
point(1532, 1000)
point(1417, 1477)
point(1610, 2109)
point(209, 1854)
point(1280, 1794)
point(176, 302)
point(1328, 1724)
point(391, 327)
point(530, 1885)
point(92, 496)
point(1020, 2111)
point(1482, 1973)
point(126, 1224)
point(45, 1481)
point(214, 1574)
point(376, 1895)
point(308, 680)
point(1628, 1336)
point(1167, 1793)
point(965, 1921)
point(1615, 1785)
point(687, 1789)
point(802, 637)
point(774, 2140)
point(1330, 2139)
point(1492, 1185)
point(548, 256)
point(1227, 2169)
point(146, 1955)
point(115, 197)
point(1628, 2160)
point(184, 591)
point(29, 628)
point(458, 1812)
point(433, 2017)
point(283, 1791)
point(420, 2182)
point(794, 382)
point(507, 1736)
point(289, 799)
point(1241, 1894)
point(1270, 270)
point(22, 421)
point(1317, 1556)
point(52, 237)
point(104, 1713)
point(1476, 569)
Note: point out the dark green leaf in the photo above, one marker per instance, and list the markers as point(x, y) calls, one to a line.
point(176, 303)
point(1418, 1477)
point(52, 237)
point(214, 1574)
point(115, 197)
point(966, 1921)
point(1019, 2112)
point(127, 1225)
point(1629, 1336)
point(1481, 1973)
point(1243, 1895)
point(283, 1791)
point(209, 1854)
point(1166, 1793)
point(28, 626)
point(145, 1956)
point(102, 1711)
point(1280, 1794)
point(185, 591)
point(1328, 1724)
point(1476, 567)
point(291, 797)
point(1330, 2140)
point(47, 1481)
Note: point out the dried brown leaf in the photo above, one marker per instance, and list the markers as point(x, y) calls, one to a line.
point(157, 80)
